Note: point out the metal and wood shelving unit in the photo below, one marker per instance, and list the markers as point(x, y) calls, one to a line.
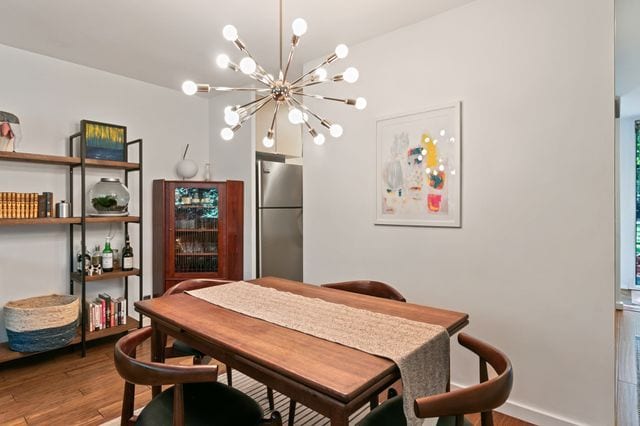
point(76, 278)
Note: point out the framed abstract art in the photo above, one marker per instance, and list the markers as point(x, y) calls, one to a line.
point(418, 168)
point(104, 141)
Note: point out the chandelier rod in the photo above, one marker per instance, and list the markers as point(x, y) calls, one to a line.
point(281, 32)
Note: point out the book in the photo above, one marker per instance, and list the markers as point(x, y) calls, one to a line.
point(107, 306)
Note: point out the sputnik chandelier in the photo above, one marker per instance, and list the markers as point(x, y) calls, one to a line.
point(284, 92)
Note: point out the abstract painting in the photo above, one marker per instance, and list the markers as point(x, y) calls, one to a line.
point(418, 168)
point(104, 141)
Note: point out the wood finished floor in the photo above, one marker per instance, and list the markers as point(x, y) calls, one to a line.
point(62, 388)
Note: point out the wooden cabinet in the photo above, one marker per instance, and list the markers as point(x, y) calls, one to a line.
point(197, 231)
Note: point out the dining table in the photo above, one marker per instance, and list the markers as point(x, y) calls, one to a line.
point(331, 379)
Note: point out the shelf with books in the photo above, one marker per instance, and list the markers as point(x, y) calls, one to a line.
point(68, 220)
point(105, 275)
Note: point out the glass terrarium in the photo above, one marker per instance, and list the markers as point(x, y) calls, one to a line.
point(109, 197)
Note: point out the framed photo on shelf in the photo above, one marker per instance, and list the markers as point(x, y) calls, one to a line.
point(104, 141)
point(418, 168)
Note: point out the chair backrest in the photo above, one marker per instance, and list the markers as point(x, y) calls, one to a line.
point(481, 398)
point(137, 372)
point(194, 284)
point(370, 288)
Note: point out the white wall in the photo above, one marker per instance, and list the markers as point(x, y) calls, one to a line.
point(51, 97)
point(235, 160)
point(627, 201)
point(533, 263)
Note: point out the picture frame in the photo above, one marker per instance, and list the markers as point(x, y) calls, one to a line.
point(104, 141)
point(418, 168)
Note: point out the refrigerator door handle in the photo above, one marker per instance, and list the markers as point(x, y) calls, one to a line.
point(259, 243)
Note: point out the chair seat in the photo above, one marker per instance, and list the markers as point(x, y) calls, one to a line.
point(391, 413)
point(180, 347)
point(204, 404)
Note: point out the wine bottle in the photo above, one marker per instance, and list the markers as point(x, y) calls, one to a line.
point(107, 256)
point(127, 255)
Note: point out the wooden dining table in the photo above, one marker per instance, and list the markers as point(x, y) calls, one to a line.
point(332, 379)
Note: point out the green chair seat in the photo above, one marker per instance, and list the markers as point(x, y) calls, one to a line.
point(391, 413)
point(204, 404)
point(180, 347)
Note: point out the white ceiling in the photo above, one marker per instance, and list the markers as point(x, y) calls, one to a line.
point(167, 41)
point(627, 51)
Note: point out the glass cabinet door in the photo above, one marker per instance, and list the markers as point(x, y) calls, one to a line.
point(195, 227)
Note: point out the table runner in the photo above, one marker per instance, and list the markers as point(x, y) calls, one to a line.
point(420, 350)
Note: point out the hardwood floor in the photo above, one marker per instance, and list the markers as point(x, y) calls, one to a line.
point(627, 327)
point(61, 388)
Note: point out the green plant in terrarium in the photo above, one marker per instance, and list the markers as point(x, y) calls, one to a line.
point(106, 203)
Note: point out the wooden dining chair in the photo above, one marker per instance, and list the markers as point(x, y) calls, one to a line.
point(195, 398)
point(369, 288)
point(179, 348)
point(450, 407)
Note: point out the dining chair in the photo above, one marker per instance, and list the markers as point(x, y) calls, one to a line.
point(366, 287)
point(179, 348)
point(195, 398)
point(450, 407)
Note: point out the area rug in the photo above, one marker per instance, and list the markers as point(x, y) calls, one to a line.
point(257, 391)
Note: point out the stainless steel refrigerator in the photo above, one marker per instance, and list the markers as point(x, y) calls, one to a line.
point(279, 226)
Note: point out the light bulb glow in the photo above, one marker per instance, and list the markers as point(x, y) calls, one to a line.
point(453, 172)
point(424, 151)
point(247, 65)
point(335, 130)
point(226, 134)
point(231, 118)
point(268, 142)
point(427, 170)
point(222, 61)
point(321, 74)
point(295, 116)
point(441, 168)
point(435, 172)
point(443, 132)
point(230, 33)
point(228, 109)
point(342, 51)
point(420, 157)
point(189, 88)
point(299, 26)
point(452, 139)
point(319, 139)
point(361, 103)
point(351, 75)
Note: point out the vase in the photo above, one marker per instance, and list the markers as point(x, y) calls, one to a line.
point(109, 197)
point(187, 169)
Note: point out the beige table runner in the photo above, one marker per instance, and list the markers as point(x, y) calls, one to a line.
point(420, 350)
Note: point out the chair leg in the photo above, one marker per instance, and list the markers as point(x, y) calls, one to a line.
point(229, 376)
point(373, 402)
point(272, 404)
point(486, 418)
point(197, 360)
point(292, 412)
point(274, 420)
point(392, 393)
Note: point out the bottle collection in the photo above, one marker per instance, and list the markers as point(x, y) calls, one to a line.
point(105, 259)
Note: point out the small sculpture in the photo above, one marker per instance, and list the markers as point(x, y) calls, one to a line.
point(10, 133)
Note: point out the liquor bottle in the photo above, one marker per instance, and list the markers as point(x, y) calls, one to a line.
point(127, 256)
point(107, 256)
point(83, 262)
point(96, 257)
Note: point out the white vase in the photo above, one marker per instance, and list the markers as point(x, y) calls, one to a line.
point(187, 169)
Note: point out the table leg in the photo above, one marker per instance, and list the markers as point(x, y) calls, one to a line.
point(157, 352)
point(342, 420)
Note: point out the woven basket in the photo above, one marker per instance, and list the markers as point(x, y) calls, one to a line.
point(41, 323)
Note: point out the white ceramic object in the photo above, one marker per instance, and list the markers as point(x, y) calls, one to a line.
point(187, 169)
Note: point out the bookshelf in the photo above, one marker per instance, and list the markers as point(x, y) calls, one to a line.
point(78, 280)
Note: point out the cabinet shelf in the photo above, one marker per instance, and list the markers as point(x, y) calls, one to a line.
point(77, 277)
point(197, 254)
point(111, 219)
point(7, 354)
point(197, 230)
point(61, 160)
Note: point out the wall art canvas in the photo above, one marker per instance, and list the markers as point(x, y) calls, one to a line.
point(418, 168)
point(104, 141)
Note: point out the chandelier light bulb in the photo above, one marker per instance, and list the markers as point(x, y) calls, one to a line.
point(351, 75)
point(342, 51)
point(231, 118)
point(299, 27)
point(230, 33)
point(361, 103)
point(228, 109)
point(267, 142)
point(295, 116)
point(319, 139)
point(226, 134)
point(189, 88)
point(247, 65)
point(335, 130)
point(222, 61)
point(321, 74)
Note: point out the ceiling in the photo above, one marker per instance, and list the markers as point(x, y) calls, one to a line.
point(166, 41)
point(627, 50)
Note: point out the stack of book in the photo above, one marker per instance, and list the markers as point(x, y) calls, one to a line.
point(21, 205)
point(106, 312)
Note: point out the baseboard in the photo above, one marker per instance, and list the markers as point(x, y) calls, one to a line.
point(529, 414)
